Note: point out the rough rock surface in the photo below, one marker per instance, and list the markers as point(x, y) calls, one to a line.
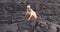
point(12, 16)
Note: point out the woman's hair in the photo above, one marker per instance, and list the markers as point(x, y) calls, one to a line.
point(28, 6)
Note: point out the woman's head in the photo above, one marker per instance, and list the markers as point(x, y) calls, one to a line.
point(28, 8)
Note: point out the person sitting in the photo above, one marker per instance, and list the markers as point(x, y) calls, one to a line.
point(30, 14)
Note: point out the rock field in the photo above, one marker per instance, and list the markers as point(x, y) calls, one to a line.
point(12, 16)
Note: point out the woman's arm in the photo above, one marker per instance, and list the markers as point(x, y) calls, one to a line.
point(30, 17)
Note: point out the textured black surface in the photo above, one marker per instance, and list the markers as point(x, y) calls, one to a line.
point(12, 16)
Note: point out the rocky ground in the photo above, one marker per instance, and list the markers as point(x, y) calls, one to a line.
point(12, 16)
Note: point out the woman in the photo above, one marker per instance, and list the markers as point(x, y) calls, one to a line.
point(30, 14)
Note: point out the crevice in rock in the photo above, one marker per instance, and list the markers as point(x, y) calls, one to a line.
point(49, 14)
point(34, 27)
point(8, 22)
point(18, 28)
point(58, 30)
